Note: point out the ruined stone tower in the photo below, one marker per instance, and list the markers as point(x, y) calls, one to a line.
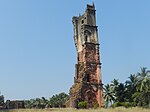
point(87, 81)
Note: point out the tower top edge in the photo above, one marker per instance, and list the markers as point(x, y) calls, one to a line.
point(91, 7)
point(88, 7)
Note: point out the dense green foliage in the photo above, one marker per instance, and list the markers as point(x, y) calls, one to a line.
point(82, 104)
point(37, 103)
point(134, 92)
point(57, 100)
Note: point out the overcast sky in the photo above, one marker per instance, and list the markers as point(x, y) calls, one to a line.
point(37, 51)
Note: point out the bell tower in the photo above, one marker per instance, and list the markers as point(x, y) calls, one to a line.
point(87, 81)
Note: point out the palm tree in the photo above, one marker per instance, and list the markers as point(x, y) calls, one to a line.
point(143, 80)
point(108, 94)
point(119, 90)
point(142, 84)
point(38, 102)
point(131, 80)
point(130, 86)
point(32, 103)
point(58, 100)
point(120, 93)
point(44, 102)
point(115, 83)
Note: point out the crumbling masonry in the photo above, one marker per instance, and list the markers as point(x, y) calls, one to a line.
point(87, 81)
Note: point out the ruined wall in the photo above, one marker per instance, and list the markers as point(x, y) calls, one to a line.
point(14, 104)
point(87, 81)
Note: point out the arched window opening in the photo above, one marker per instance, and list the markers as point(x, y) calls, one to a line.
point(82, 21)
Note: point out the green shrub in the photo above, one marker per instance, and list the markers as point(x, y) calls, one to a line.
point(126, 104)
point(123, 104)
point(96, 105)
point(116, 104)
point(82, 104)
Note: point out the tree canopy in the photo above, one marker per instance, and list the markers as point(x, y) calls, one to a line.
point(134, 92)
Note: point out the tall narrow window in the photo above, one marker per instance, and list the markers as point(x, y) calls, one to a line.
point(88, 78)
point(86, 38)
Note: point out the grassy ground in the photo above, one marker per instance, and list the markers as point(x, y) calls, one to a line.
point(82, 110)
